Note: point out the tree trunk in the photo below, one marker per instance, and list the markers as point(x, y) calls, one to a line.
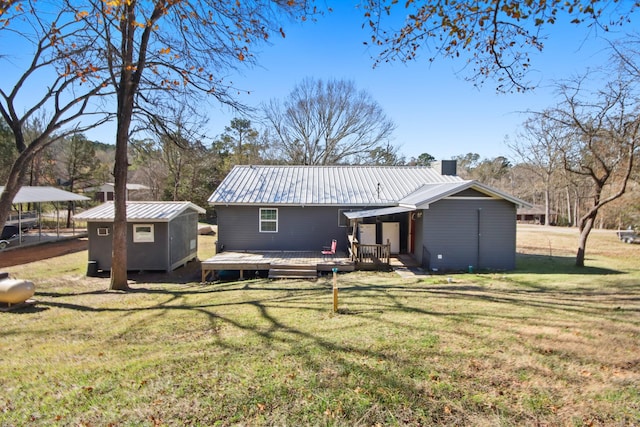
point(586, 224)
point(13, 184)
point(576, 208)
point(119, 244)
point(126, 90)
point(547, 206)
point(569, 217)
point(70, 207)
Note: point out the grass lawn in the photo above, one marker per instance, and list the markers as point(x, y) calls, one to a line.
point(547, 344)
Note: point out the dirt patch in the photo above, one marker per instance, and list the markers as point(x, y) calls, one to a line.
point(24, 255)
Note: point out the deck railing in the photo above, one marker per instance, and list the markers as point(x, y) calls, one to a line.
point(374, 255)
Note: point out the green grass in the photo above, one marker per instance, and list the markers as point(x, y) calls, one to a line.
point(544, 345)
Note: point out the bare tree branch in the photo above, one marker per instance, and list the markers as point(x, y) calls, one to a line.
point(328, 123)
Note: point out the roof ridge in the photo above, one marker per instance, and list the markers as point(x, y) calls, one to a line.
point(335, 166)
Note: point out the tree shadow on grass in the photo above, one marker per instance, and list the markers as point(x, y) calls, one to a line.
point(379, 364)
point(545, 264)
point(189, 273)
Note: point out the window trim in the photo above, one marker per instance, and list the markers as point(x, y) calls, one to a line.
point(262, 221)
point(102, 231)
point(145, 237)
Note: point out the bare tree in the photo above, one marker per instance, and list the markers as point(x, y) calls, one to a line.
point(538, 146)
point(327, 123)
point(48, 48)
point(384, 155)
point(602, 131)
point(78, 166)
point(163, 52)
point(466, 164)
point(497, 36)
point(148, 167)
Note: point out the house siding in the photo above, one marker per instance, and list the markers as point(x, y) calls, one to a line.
point(476, 233)
point(470, 192)
point(183, 241)
point(100, 247)
point(419, 248)
point(299, 228)
point(148, 255)
point(140, 256)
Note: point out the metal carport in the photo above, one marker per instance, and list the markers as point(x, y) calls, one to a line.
point(39, 195)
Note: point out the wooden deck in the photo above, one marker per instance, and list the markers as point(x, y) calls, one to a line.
point(270, 260)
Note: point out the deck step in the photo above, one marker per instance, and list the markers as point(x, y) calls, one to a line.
point(293, 273)
point(293, 266)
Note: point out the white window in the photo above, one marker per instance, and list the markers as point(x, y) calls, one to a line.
point(103, 231)
point(143, 233)
point(268, 220)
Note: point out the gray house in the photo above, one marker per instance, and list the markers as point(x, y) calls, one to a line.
point(160, 235)
point(429, 213)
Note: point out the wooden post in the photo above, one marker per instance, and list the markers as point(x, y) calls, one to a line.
point(335, 289)
point(388, 252)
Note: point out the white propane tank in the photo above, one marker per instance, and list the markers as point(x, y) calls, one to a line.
point(15, 291)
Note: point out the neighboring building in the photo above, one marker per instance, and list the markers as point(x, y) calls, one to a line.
point(443, 221)
point(160, 235)
point(105, 192)
point(535, 214)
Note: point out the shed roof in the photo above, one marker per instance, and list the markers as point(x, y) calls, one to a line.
point(139, 211)
point(33, 194)
point(324, 185)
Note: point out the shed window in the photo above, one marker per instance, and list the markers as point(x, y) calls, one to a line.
point(268, 220)
point(143, 233)
point(103, 231)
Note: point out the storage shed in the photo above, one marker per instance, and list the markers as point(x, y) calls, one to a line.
point(160, 235)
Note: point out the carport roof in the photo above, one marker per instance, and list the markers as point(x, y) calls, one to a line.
point(29, 194)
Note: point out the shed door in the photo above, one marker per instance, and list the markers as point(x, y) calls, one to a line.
point(391, 232)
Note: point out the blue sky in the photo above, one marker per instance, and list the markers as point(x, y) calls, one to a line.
point(435, 109)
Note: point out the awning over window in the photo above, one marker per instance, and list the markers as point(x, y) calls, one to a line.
point(377, 212)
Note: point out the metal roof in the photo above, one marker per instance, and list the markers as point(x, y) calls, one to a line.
point(431, 193)
point(323, 185)
point(139, 211)
point(111, 185)
point(28, 194)
point(377, 212)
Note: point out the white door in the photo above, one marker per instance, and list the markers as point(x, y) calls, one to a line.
point(367, 234)
point(391, 232)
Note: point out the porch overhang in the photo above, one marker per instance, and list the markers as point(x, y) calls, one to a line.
point(378, 212)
